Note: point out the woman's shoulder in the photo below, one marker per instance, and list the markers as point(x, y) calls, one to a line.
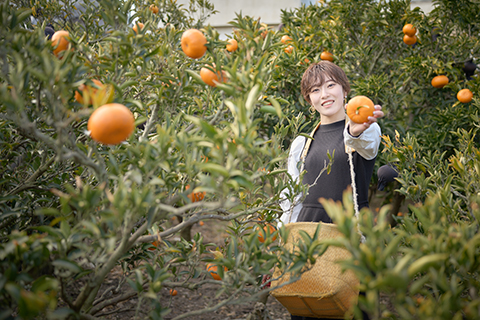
point(297, 144)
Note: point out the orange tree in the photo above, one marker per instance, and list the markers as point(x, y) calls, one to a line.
point(73, 210)
point(426, 265)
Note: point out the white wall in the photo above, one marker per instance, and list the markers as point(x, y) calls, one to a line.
point(268, 11)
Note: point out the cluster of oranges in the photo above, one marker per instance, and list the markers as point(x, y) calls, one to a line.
point(464, 95)
point(109, 124)
point(193, 43)
point(286, 40)
point(410, 38)
point(409, 32)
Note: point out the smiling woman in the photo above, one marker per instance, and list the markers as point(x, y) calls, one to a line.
point(354, 147)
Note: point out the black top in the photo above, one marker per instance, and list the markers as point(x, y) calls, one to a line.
point(329, 138)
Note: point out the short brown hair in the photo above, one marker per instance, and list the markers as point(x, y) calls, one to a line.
point(320, 72)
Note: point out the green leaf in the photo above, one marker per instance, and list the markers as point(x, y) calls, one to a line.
point(426, 262)
point(215, 169)
point(66, 264)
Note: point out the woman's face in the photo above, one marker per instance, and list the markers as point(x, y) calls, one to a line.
point(328, 100)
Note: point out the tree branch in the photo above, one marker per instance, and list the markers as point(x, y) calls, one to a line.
point(115, 300)
point(150, 121)
point(29, 183)
point(211, 309)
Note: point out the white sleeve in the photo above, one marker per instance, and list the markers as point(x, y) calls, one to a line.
point(291, 211)
point(367, 143)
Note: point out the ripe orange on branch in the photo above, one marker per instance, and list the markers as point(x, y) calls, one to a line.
point(410, 40)
point(213, 269)
point(359, 109)
point(269, 230)
point(211, 78)
point(111, 124)
point(289, 49)
point(87, 90)
point(326, 56)
point(137, 25)
point(232, 45)
point(60, 41)
point(153, 8)
point(409, 30)
point(440, 81)
point(464, 95)
point(193, 43)
point(173, 292)
point(286, 39)
point(195, 196)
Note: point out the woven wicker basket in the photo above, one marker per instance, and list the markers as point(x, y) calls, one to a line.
point(323, 291)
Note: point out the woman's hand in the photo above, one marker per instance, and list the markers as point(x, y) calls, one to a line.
point(356, 129)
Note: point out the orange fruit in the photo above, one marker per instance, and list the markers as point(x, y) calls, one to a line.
point(195, 196)
point(173, 292)
point(269, 230)
point(138, 24)
point(409, 40)
point(155, 244)
point(359, 109)
point(211, 78)
point(232, 46)
point(213, 271)
point(409, 30)
point(289, 49)
point(440, 81)
point(60, 41)
point(264, 32)
point(193, 43)
point(286, 39)
point(153, 8)
point(201, 223)
point(111, 124)
point(326, 56)
point(91, 91)
point(464, 95)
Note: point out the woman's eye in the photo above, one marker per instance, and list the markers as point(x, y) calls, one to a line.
point(331, 85)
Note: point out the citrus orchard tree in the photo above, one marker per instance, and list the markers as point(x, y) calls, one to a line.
point(205, 129)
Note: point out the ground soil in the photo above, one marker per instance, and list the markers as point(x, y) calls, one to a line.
point(187, 301)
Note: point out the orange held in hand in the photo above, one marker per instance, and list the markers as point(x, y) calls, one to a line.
point(269, 230)
point(359, 109)
point(464, 95)
point(232, 45)
point(111, 124)
point(193, 43)
point(409, 30)
point(439, 81)
point(60, 42)
point(326, 56)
